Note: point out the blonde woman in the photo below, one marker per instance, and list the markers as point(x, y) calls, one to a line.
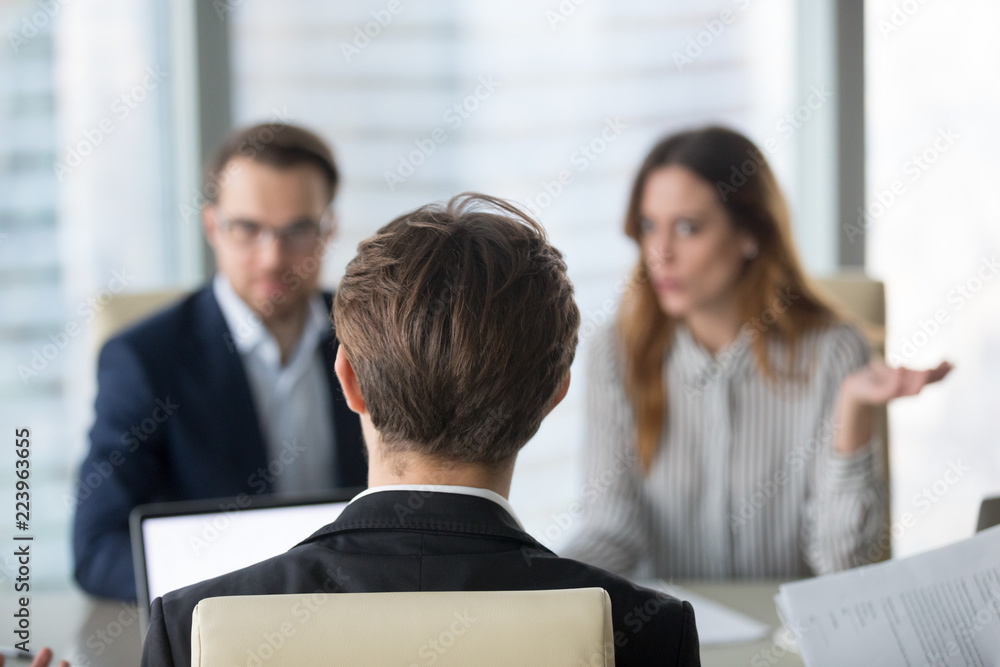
point(729, 406)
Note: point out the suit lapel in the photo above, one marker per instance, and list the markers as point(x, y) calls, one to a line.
point(224, 372)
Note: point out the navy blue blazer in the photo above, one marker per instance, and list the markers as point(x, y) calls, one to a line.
point(175, 420)
point(394, 541)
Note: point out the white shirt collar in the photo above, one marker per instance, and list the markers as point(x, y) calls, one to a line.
point(700, 366)
point(245, 325)
point(444, 488)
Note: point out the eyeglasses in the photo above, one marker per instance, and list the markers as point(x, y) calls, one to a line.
point(298, 236)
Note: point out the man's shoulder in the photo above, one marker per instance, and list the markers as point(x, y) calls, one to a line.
point(648, 624)
point(581, 574)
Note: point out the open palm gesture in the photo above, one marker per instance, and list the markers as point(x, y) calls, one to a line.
point(877, 383)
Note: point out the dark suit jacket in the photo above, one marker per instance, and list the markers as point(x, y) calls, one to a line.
point(175, 420)
point(420, 541)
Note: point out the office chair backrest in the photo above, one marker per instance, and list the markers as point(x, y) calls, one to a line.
point(124, 310)
point(487, 629)
point(863, 300)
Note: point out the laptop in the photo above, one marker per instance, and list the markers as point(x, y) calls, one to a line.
point(989, 514)
point(175, 544)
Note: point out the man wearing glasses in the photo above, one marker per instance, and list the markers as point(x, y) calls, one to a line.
point(232, 391)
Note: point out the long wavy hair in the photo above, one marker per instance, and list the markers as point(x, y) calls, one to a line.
point(747, 189)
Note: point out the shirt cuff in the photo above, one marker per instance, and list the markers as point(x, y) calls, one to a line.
point(850, 472)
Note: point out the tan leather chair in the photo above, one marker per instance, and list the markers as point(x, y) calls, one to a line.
point(862, 300)
point(486, 629)
point(124, 310)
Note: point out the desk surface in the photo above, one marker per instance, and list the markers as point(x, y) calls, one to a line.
point(92, 633)
point(756, 600)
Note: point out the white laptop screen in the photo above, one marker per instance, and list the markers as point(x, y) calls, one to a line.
point(185, 549)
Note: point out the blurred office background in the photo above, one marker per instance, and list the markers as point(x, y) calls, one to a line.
point(879, 118)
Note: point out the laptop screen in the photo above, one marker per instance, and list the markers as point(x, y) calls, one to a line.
point(177, 544)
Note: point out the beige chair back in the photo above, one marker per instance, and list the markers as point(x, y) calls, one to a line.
point(446, 629)
point(124, 310)
point(863, 300)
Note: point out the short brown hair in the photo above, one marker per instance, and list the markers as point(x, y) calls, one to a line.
point(460, 324)
point(275, 144)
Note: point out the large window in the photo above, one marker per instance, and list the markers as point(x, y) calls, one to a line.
point(85, 161)
point(933, 226)
point(550, 104)
point(553, 105)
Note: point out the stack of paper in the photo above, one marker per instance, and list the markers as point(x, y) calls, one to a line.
point(940, 608)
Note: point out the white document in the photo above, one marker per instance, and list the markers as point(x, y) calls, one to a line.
point(940, 608)
point(717, 624)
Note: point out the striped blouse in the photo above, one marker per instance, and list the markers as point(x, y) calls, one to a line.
point(746, 483)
